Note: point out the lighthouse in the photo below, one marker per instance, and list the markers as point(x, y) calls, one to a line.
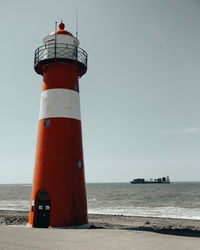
point(58, 196)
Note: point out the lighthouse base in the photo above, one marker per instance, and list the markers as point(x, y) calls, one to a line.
point(84, 226)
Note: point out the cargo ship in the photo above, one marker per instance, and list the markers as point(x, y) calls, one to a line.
point(163, 180)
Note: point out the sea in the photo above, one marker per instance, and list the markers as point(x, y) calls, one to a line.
point(175, 200)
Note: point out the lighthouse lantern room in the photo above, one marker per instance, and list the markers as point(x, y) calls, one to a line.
point(58, 196)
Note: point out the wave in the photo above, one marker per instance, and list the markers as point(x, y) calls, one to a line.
point(161, 212)
point(15, 205)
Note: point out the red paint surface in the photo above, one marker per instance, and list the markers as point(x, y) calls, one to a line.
point(59, 149)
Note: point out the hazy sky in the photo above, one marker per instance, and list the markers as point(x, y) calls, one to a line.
point(139, 99)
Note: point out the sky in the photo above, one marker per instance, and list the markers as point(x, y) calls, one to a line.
point(139, 99)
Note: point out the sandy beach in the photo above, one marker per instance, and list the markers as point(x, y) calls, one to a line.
point(107, 232)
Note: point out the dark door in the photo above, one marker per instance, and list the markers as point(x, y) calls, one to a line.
point(43, 213)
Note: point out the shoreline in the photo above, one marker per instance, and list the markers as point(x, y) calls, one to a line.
point(183, 227)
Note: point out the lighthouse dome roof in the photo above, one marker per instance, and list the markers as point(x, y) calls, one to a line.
point(64, 36)
point(62, 30)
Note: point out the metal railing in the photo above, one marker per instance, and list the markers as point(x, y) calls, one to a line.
point(62, 52)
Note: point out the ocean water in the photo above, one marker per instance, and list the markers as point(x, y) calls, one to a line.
point(175, 200)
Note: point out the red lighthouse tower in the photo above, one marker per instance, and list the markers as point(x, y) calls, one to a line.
point(58, 194)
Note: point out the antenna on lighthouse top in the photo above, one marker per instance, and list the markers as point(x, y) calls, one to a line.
point(55, 27)
point(77, 22)
point(55, 37)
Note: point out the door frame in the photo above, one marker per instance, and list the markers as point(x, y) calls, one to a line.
point(38, 197)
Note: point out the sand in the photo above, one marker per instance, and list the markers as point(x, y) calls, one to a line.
point(107, 232)
point(100, 221)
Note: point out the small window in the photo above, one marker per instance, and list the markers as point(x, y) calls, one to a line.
point(76, 87)
point(47, 123)
point(80, 164)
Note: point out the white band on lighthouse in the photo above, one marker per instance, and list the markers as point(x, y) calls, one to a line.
point(60, 103)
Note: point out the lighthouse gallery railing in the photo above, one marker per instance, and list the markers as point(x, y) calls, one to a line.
point(61, 52)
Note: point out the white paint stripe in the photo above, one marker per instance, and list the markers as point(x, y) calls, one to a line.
point(60, 103)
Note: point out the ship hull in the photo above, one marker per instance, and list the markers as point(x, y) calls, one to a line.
point(149, 182)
